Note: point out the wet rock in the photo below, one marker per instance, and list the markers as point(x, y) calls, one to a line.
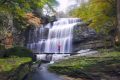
point(36, 34)
point(86, 38)
point(82, 32)
point(86, 52)
point(91, 44)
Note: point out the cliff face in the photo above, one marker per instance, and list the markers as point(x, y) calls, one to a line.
point(6, 30)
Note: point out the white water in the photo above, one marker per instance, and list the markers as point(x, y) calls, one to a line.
point(52, 57)
point(59, 37)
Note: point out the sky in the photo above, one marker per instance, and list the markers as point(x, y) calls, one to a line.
point(64, 4)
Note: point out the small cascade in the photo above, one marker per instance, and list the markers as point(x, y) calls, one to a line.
point(52, 57)
point(53, 39)
point(37, 39)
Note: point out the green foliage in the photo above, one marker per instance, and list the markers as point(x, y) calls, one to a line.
point(21, 6)
point(101, 12)
point(19, 51)
point(18, 8)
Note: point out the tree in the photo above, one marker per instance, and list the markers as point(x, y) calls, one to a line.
point(16, 11)
point(118, 19)
point(18, 8)
point(21, 6)
point(101, 12)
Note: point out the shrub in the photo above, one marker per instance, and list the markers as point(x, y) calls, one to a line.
point(19, 51)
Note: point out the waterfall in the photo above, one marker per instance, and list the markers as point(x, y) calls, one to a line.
point(36, 40)
point(59, 37)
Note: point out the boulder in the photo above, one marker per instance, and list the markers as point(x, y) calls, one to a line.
point(82, 32)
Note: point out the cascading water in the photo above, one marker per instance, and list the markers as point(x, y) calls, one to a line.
point(59, 38)
point(36, 40)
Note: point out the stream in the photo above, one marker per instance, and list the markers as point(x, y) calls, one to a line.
point(43, 74)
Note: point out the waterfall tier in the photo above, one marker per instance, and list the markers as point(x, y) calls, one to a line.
point(59, 37)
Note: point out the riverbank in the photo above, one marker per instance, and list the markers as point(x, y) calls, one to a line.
point(15, 63)
point(14, 68)
point(105, 65)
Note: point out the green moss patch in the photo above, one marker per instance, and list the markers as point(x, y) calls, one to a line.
point(15, 63)
point(8, 64)
point(104, 63)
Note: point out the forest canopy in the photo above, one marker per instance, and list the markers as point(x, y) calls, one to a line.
point(101, 12)
point(22, 6)
point(13, 14)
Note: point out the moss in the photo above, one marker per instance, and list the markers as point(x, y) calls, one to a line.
point(8, 64)
point(21, 71)
point(79, 66)
point(16, 64)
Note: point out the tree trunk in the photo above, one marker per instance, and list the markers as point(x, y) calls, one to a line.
point(118, 19)
point(9, 34)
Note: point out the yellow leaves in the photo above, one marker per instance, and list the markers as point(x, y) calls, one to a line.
point(31, 19)
point(99, 11)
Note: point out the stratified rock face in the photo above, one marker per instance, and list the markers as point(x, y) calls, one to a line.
point(36, 34)
point(82, 32)
point(86, 38)
point(82, 37)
